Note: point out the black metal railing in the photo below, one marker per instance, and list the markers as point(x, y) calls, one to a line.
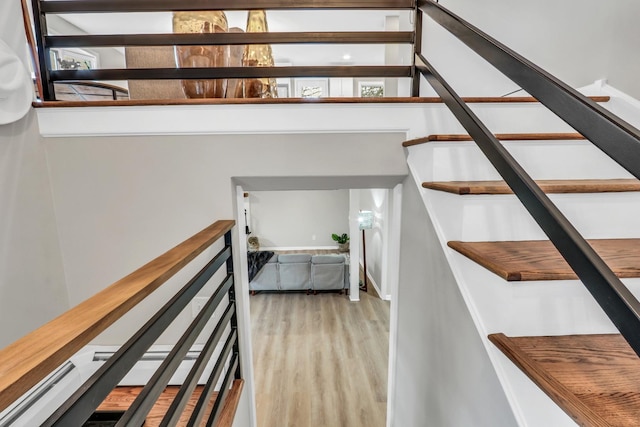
point(615, 137)
point(49, 75)
point(82, 404)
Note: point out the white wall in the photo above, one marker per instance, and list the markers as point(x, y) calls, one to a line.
point(121, 201)
point(32, 283)
point(303, 219)
point(579, 41)
point(443, 374)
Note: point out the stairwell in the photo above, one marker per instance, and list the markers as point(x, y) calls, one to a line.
point(526, 303)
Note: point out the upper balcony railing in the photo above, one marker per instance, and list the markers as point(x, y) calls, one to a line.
point(66, 57)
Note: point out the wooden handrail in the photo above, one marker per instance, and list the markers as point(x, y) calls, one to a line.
point(31, 358)
point(327, 100)
point(230, 407)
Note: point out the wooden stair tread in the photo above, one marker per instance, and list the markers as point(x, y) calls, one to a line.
point(518, 99)
point(548, 186)
point(501, 136)
point(540, 260)
point(595, 379)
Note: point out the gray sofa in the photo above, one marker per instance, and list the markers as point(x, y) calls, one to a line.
point(302, 272)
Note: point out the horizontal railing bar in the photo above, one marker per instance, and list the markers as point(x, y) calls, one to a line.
point(617, 138)
point(231, 72)
point(140, 407)
point(79, 407)
point(611, 294)
point(181, 399)
point(224, 390)
point(369, 37)
point(207, 391)
point(27, 361)
point(106, 6)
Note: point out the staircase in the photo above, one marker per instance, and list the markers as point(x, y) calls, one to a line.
point(525, 299)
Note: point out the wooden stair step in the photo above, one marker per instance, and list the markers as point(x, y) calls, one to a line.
point(501, 136)
point(595, 379)
point(518, 99)
point(548, 186)
point(540, 260)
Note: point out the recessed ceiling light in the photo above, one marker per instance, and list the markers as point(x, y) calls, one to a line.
point(346, 57)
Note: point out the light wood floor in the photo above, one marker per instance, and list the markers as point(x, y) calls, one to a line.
point(320, 360)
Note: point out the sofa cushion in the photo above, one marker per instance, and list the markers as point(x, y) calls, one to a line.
point(267, 279)
point(327, 276)
point(295, 271)
point(327, 259)
point(294, 258)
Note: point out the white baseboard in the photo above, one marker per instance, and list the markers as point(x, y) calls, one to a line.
point(375, 285)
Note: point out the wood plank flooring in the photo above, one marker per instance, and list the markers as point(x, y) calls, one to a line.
point(540, 260)
point(593, 378)
point(556, 186)
point(320, 360)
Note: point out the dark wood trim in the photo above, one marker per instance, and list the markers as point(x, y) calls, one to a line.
point(233, 101)
point(104, 6)
point(231, 72)
point(236, 101)
point(369, 37)
point(561, 395)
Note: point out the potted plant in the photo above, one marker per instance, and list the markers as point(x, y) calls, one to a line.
point(343, 241)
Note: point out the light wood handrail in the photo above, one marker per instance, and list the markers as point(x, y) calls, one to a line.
point(31, 358)
point(228, 413)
